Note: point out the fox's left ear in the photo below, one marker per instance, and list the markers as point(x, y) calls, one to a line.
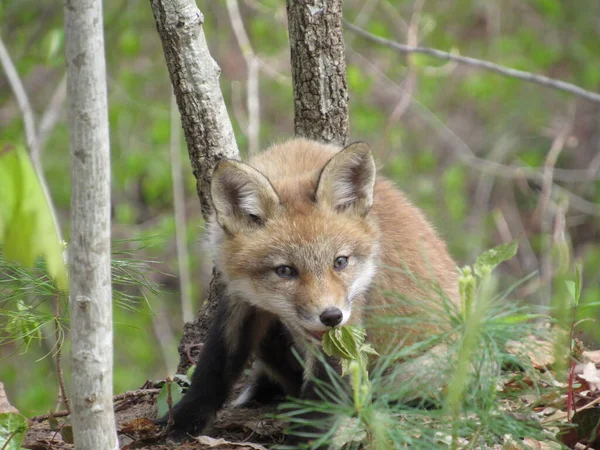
point(348, 180)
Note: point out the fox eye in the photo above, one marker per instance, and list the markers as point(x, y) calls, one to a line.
point(340, 262)
point(286, 272)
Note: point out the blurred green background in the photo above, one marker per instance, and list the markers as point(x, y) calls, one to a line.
point(437, 129)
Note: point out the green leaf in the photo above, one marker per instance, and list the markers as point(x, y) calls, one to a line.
point(25, 325)
point(344, 342)
point(27, 228)
point(161, 402)
point(55, 39)
point(578, 280)
point(12, 431)
point(332, 344)
point(488, 260)
point(570, 284)
point(519, 318)
point(190, 371)
point(367, 348)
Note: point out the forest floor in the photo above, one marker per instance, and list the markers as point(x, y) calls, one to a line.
point(234, 428)
point(577, 403)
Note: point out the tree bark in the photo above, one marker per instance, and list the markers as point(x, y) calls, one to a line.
point(91, 296)
point(208, 131)
point(318, 70)
point(195, 78)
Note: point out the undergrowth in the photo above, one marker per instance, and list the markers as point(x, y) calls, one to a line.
point(449, 391)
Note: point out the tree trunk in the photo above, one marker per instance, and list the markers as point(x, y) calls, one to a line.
point(91, 297)
point(318, 70)
point(208, 131)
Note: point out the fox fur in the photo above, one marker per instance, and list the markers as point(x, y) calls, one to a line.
point(302, 229)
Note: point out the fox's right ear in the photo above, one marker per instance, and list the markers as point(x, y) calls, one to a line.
point(243, 197)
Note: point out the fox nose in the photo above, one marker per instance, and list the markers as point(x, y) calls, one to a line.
point(331, 317)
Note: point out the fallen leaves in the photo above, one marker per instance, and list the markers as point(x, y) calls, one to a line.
point(5, 406)
point(220, 443)
point(590, 374)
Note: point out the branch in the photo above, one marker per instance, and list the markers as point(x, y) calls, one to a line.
point(208, 131)
point(52, 113)
point(480, 64)
point(33, 142)
point(195, 78)
point(24, 105)
point(253, 66)
point(183, 259)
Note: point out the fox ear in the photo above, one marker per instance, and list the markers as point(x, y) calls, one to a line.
point(243, 197)
point(348, 179)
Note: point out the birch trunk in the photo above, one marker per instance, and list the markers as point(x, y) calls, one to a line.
point(91, 299)
point(318, 70)
point(206, 125)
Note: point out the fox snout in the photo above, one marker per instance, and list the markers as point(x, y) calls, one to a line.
point(331, 317)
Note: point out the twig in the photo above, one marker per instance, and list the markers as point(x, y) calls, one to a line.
point(483, 192)
point(543, 213)
point(52, 113)
point(179, 210)
point(562, 414)
point(134, 394)
point(253, 65)
point(164, 336)
point(23, 101)
point(59, 371)
point(33, 142)
point(188, 352)
point(411, 77)
point(467, 157)
point(116, 398)
point(43, 417)
point(169, 403)
point(570, 391)
point(478, 63)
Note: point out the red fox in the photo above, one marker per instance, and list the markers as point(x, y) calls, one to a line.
point(306, 237)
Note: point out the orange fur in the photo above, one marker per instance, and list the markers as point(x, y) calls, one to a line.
point(409, 256)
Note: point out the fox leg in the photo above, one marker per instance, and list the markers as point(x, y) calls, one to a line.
point(316, 371)
point(220, 363)
point(277, 372)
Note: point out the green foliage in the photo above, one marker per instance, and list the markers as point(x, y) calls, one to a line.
point(490, 259)
point(381, 414)
point(162, 402)
point(27, 228)
point(552, 37)
point(12, 431)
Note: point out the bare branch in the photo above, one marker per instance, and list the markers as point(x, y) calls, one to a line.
point(33, 142)
point(208, 130)
point(52, 113)
point(253, 65)
point(24, 105)
point(410, 81)
point(195, 78)
point(467, 157)
point(179, 210)
point(480, 64)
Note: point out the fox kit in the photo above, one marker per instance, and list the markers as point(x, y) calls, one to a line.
point(306, 238)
